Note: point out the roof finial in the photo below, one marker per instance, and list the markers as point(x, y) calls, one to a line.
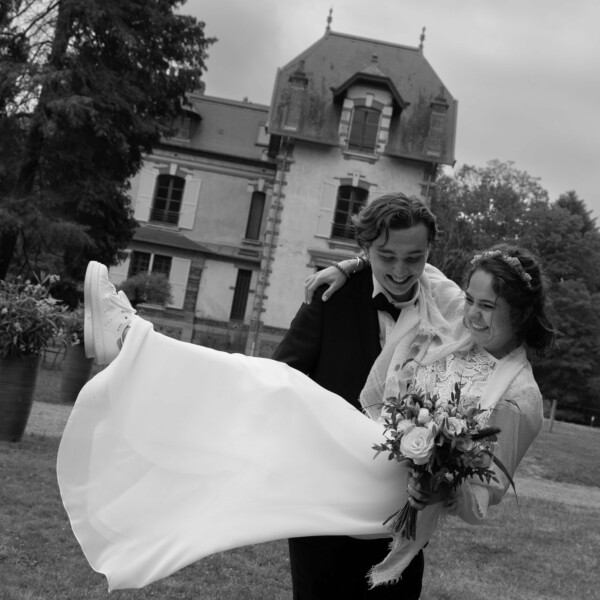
point(422, 39)
point(329, 19)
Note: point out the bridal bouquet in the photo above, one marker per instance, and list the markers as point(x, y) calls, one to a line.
point(440, 441)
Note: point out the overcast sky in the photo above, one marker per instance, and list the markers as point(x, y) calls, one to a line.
point(526, 73)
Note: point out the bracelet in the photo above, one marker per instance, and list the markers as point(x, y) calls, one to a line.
point(361, 263)
point(342, 270)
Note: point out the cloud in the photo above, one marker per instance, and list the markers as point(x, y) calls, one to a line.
point(524, 73)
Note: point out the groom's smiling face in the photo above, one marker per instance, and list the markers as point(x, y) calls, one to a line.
point(399, 260)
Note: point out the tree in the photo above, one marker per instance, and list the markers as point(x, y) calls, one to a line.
point(481, 206)
point(101, 83)
point(570, 373)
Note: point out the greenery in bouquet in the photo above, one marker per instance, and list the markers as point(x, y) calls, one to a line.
point(442, 442)
point(30, 318)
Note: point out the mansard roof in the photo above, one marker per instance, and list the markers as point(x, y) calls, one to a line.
point(226, 127)
point(336, 62)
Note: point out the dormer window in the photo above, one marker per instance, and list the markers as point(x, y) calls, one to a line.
point(369, 101)
point(365, 122)
point(182, 126)
point(437, 127)
point(298, 83)
point(363, 130)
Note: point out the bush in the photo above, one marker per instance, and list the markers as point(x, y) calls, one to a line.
point(147, 287)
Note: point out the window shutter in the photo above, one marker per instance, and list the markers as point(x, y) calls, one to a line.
point(191, 193)
point(145, 193)
point(118, 274)
point(437, 128)
point(240, 295)
point(325, 216)
point(180, 270)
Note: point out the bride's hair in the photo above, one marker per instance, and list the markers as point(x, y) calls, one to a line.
point(517, 277)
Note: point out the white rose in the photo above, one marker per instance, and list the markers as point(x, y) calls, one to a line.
point(417, 444)
point(423, 416)
point(453, 426)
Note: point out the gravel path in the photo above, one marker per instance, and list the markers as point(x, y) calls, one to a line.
point(50, 419)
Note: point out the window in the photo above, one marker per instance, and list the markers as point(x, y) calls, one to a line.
point(240, 295)
point(437, 130)
point(257, 207)
point(363, 130)
point(349, 201)
point(161, 265)
point(183, 127)
point(167, 200)
point(144, 262)
point(139, 263)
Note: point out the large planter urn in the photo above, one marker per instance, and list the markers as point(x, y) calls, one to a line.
point(17, 386)
point(76, 369)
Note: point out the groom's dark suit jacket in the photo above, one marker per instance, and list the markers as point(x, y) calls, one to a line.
point(335, 343)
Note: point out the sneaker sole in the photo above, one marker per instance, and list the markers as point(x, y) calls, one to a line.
point(92, 335)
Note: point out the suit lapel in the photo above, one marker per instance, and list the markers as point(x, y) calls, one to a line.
point(367, 322)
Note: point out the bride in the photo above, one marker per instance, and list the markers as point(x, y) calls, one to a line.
point(175, 451)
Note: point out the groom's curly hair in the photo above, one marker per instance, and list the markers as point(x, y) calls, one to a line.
point(392, 211)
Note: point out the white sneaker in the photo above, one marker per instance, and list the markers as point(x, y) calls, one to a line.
point(108, 315)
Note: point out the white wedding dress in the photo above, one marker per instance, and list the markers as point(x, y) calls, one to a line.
point(175, 451)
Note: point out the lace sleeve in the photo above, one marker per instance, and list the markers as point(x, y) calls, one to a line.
point(519, 415)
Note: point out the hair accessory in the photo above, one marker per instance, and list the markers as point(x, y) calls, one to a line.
point(512, 261)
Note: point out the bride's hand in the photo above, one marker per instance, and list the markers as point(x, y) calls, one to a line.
point(330, 276)
point(334, 277)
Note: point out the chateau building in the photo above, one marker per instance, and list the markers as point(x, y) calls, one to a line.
point(244, 201)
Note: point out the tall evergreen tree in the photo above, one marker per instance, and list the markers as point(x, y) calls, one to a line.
point(101, 82)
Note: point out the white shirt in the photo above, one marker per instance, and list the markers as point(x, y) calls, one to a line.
point(386, 321)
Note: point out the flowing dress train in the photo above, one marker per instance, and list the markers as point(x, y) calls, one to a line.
point(175, 451)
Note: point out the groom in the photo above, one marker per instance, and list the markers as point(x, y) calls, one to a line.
point(336, 343)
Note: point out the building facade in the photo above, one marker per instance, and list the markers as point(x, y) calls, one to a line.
point(244, 201)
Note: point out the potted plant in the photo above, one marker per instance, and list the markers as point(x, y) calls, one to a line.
point(76, 368)
point(30, 319)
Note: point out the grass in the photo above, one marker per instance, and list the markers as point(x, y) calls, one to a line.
point(41, 560)
point(547, 550)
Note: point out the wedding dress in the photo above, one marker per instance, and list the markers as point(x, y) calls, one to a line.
point(175, 451)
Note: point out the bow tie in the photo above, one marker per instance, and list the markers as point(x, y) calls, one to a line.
point(380, 302)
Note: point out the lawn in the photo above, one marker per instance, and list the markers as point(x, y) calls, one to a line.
point(542, 548)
